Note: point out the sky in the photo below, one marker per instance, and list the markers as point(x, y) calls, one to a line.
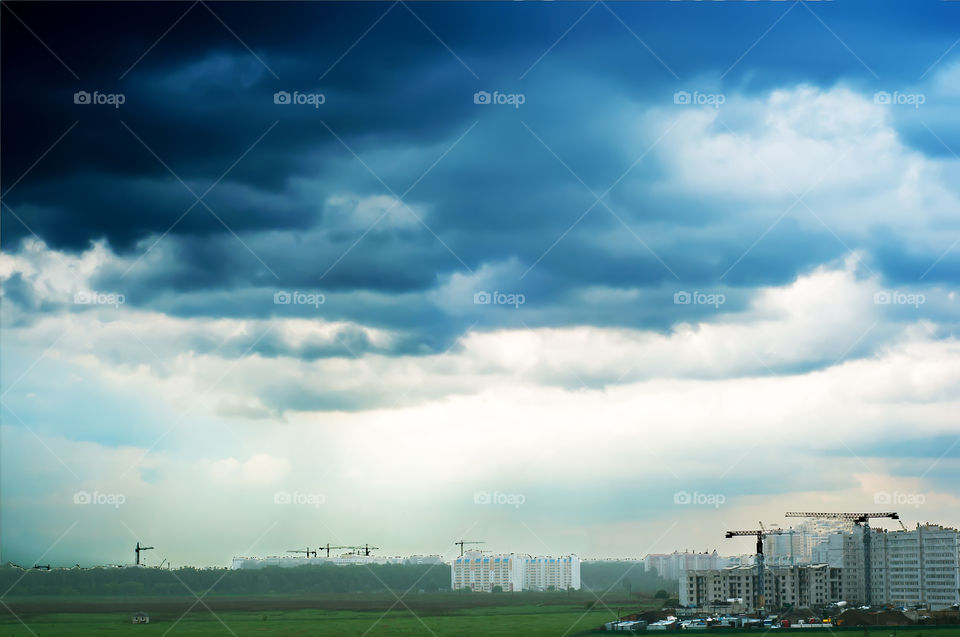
point(598, 278)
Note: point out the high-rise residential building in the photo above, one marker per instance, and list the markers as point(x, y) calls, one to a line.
point(480, 572)
point(514, 572)
point(917, 567)
point(912, 567)
point(551, 573)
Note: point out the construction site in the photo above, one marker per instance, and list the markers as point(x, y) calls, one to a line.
point(899, 576)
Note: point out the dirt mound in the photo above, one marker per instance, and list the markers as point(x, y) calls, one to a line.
point(857, 617)
point(891, 618)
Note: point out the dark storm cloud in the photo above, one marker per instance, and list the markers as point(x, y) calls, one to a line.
point(399, 99)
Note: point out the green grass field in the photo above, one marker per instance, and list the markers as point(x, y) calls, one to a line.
point(438, 614)
point(495, 621)
point(501, 622)
point(431, 616)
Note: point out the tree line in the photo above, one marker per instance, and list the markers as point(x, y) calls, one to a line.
point(327, 578)
point(628, 577)
point(624, 577)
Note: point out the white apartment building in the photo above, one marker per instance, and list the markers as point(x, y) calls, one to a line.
point(513, 572)
point(480, 572)
point(917, 567)
point(552, 573)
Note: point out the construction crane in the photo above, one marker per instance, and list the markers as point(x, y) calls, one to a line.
point(462, 542)
point(328, 547)
point(789, 532)
point(858, 519)
point(141, 548)
point(759, 535)
point(366, 548)
point(307, 552)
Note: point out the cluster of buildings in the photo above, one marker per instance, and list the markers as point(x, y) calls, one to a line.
point(800, 544)
point(673, 565)
point(289, 561)
point(816, 567)
point(514, 572)
point(817, 563)
point(474, 570)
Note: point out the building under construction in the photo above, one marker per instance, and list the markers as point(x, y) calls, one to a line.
point(904, 568)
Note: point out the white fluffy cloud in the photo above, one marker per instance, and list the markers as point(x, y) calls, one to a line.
point(835, 148)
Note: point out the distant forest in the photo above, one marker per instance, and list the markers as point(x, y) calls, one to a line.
point(629, 577)
point(377, 578)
